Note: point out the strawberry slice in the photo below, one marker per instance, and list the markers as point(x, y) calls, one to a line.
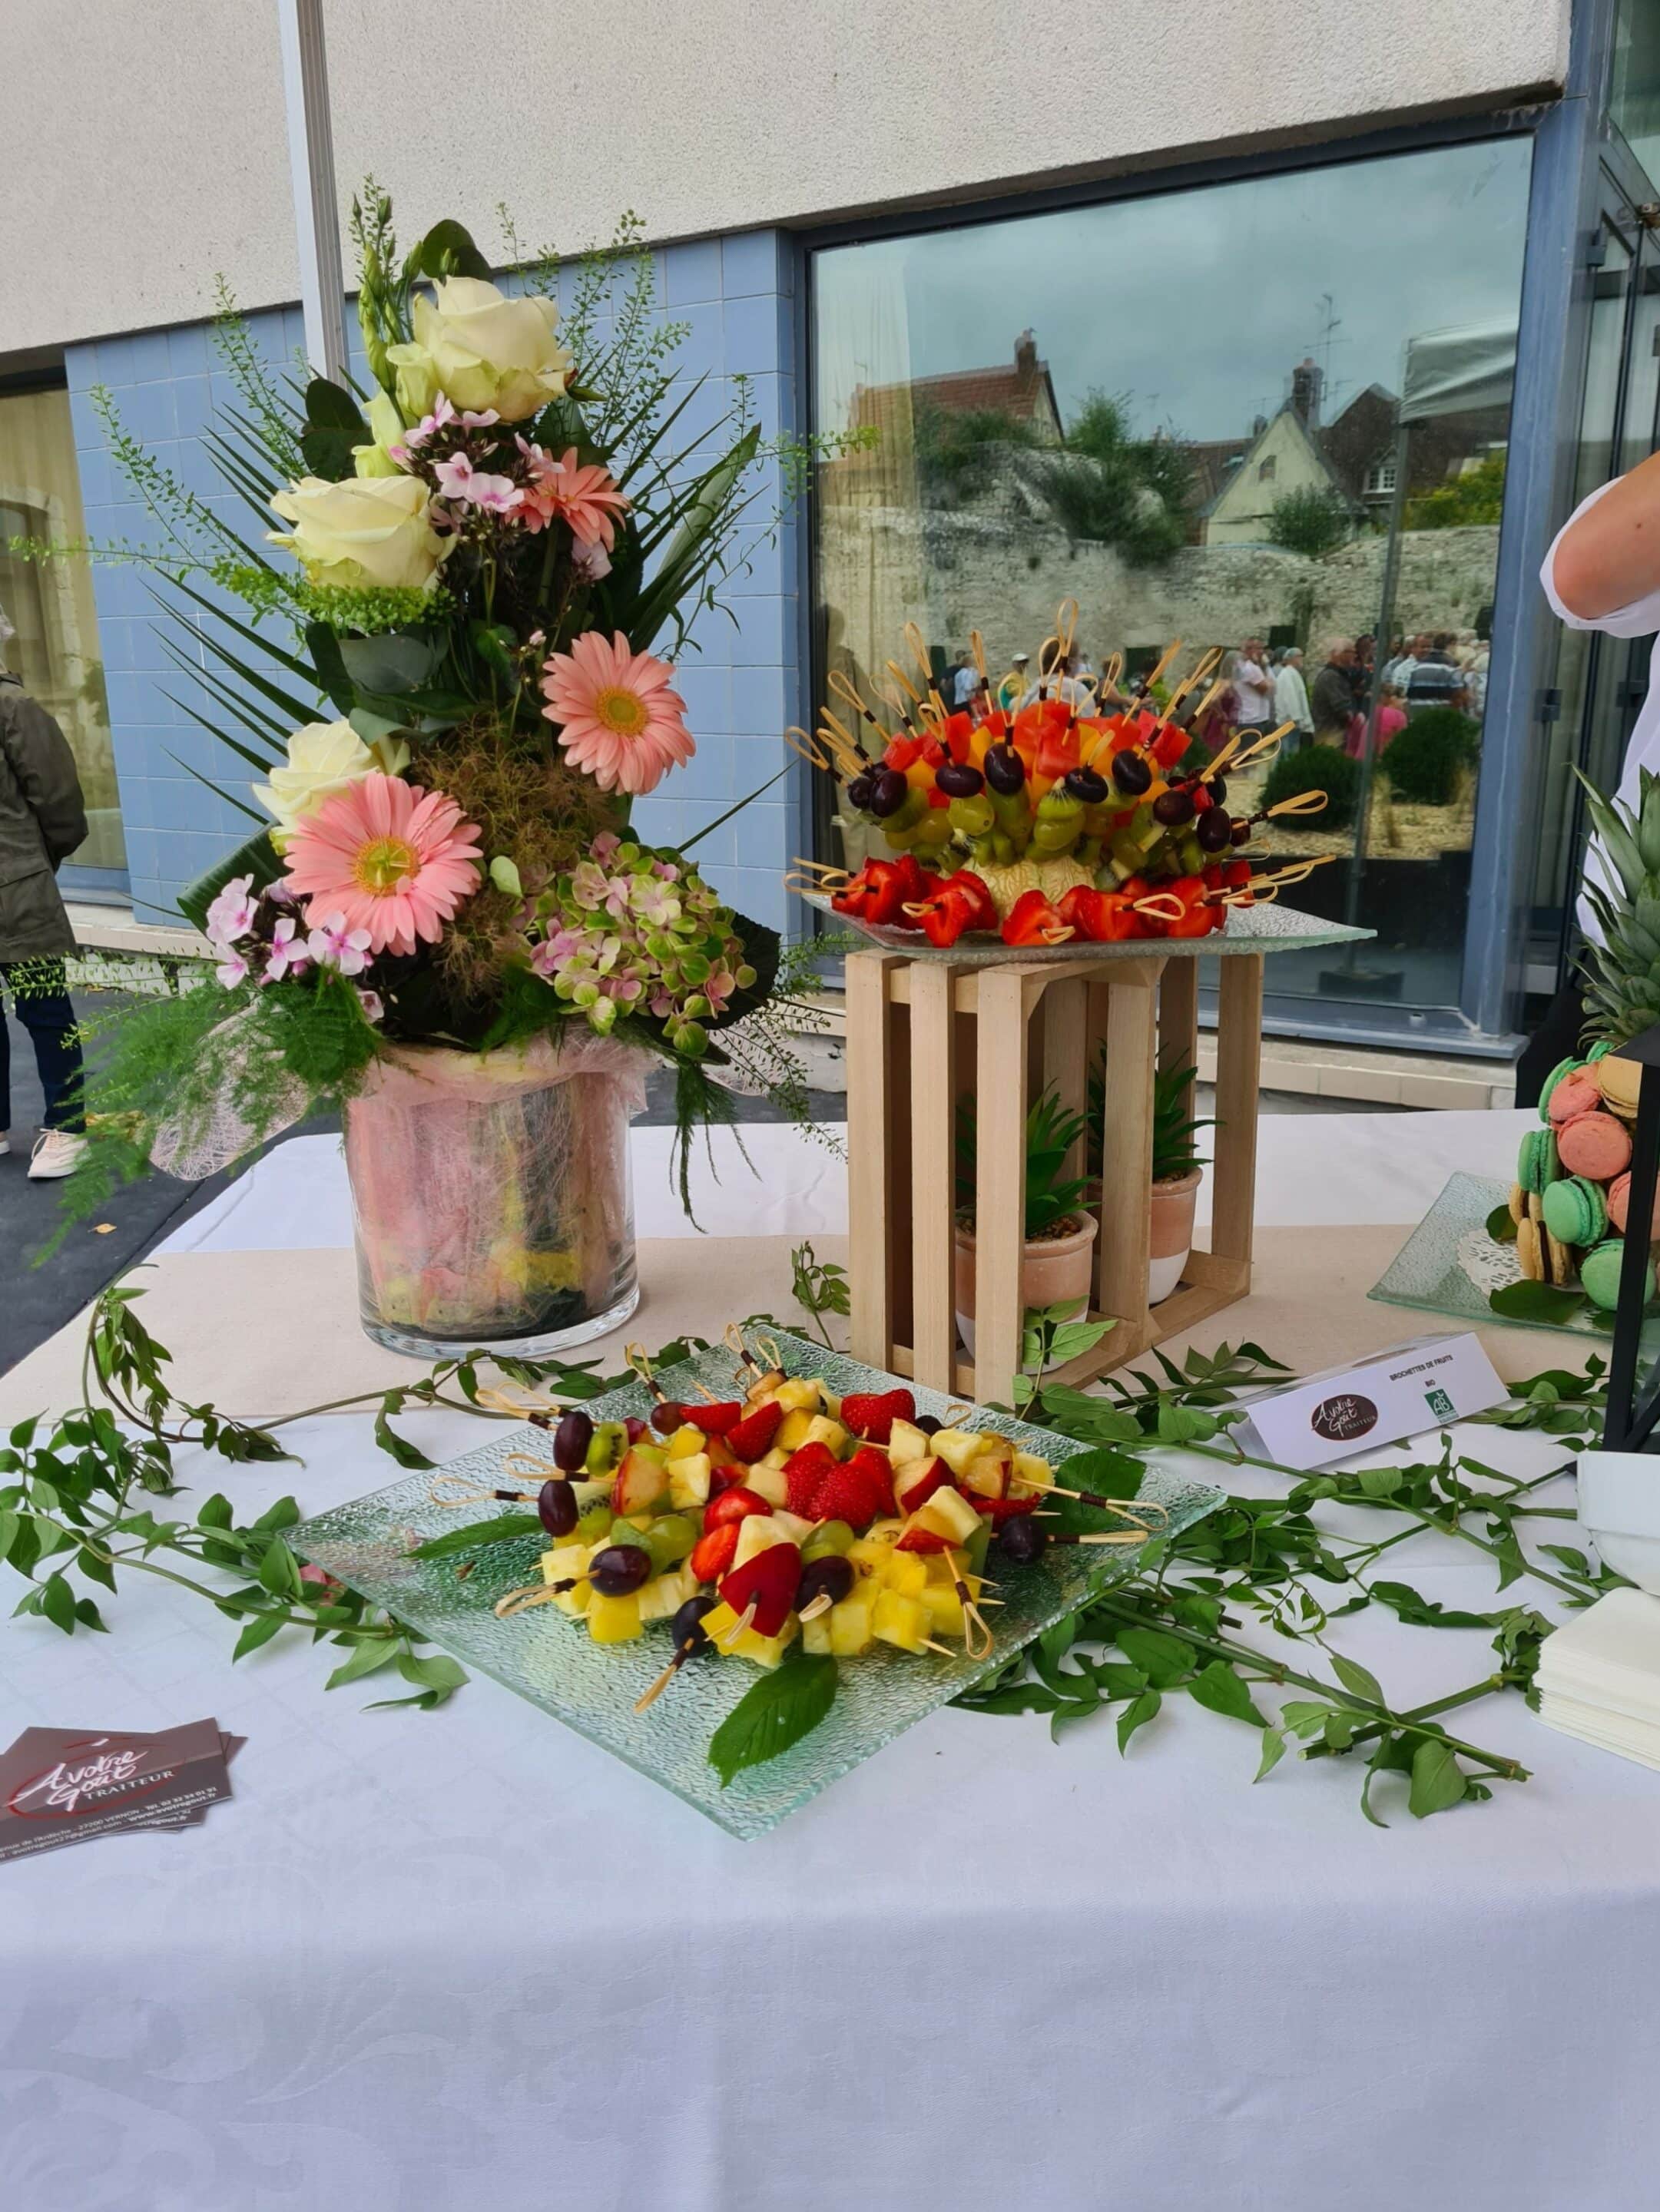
point(769, 1579)
point(921, 1539)
point(999, 1509)
point(711, 1555)
point(734, 1504)
point(872, 1414)
point(858, 1491)
point(751, 1438)
point(804, 1473)
point(715, 1421)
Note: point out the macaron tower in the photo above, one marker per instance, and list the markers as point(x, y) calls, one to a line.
point(1572, 1179)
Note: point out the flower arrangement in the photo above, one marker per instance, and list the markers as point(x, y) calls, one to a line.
point(451, 684)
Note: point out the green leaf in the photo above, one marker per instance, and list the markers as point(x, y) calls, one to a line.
point(1108, 1474)
point(393, 665)
point(279, 1571)
point(1417, 1612)
point(10, 1525)
point(400, 1448)
point(257, 858)
point(1219, 1690)
point(330, 408)
point(438, 1673)
point(773, 1714)
point(58, 1603)
point(1501, 1225)
point(506, 1528)
point(1184, 1425)
point(1379, 1482)
point(1273, 1750)
point(1438, 1780)
point(1164, 1660)
point(1536, 1302)
point(367, 1658)
point(260, 1630)
point(447, 250)
point(1135, 1715)
point(1354, 1677)
point(215, 1513)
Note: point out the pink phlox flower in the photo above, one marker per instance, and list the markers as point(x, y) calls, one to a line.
point(231, 915)
point(443, 414)
point(590, 561)
point(459, 480)
point(333, 944)
point(370, 1002)
point(231, 970)
point(286, 957)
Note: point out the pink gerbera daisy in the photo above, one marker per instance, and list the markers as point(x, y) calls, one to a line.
point(621, 721)
point(584, 497)
point(384, 856)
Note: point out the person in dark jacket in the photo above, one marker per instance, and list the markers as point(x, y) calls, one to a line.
point(42, 820)
point(1331, 701)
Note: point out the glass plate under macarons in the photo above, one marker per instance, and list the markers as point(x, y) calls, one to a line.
point(549, 1658)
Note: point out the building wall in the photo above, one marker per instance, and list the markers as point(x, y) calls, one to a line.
point(145, 149)
point(1243, 512)
point(739, 677)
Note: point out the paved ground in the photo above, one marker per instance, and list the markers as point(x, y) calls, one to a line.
point(37, 1297)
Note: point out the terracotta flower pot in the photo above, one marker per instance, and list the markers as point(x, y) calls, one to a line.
point(1053, 1271)
point(1169, 1208)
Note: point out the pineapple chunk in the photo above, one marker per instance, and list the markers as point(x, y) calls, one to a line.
point(906, 1572)
point(816, 1635)
point(759, 1533)
point(799, 1394)
point(688, 1479)
point(909, 1443)
point(766, 1650)
point(614, 1620)
point(793, 1430)
point(687, 1443)
point(986, 1474)
point(768, 1482)
point(944, 1608)
point(662, 1597)
point(947, 1514)
point(958, 1447)
point(558, 1565)
point(850, 1623)
point(793, 1525)
point(1031, 1473)
point(871, 1552)
point(900, 1620)
point(829, 1401)
point(821, 1430)
point(775, 1458)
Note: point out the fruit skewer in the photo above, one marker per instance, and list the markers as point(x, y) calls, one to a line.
point(690, 1637)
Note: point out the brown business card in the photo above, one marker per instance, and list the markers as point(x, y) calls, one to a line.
point(67, 1785)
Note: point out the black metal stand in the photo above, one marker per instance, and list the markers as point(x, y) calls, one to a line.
point(1631, 1421)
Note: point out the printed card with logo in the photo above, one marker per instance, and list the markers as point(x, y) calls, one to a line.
point(66, 1785)
point(1381, 1400)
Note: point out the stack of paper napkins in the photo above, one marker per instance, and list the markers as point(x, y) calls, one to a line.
point(1599, 1676)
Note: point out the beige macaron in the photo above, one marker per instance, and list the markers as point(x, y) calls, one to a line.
point(1529, 1249)
point(1618, 1080)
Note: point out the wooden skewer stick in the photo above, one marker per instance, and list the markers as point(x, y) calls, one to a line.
point(821, 1604)
point(904, 682)
point(944, 1650)
point(444, 1493)
point(682, 1654)
point(541, 1416)
point(737, 1627)
point(521, 1600)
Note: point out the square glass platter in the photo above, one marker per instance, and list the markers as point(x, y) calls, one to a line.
point(1450, 1264)
point(1260, 928)
point(549, 1658)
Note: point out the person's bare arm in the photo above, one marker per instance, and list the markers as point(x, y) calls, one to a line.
point(1611, 555)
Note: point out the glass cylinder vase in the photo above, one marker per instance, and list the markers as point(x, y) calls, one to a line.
point(490, 1197)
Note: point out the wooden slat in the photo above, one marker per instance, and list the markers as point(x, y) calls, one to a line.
point(1178, 1014)
point(869, 1135)
point(932, 1175)
point(1066, 1041)
point(1238, 1062)
point(1000, 1180)
point(1121, 1258)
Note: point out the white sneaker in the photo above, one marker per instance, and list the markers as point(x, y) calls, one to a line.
point(5, 1142)
point(57, 1153)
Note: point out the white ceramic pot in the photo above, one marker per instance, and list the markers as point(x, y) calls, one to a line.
point(1619, 1512)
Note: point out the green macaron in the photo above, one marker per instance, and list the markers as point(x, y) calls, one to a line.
point(1568, 1067)
point(1575, 1211)
point(1599, 1273)
point(1600, 1050)
point(1536, 1164)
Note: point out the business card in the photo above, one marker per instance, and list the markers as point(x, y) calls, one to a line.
point(67, 1785)
point(1390, 1395)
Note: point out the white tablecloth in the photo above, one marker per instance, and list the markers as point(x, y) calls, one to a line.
point(465, 1959)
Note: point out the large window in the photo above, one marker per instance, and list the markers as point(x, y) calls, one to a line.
point(1270, 412)
point(47, 609)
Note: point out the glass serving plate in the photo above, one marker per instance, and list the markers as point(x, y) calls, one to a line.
point(1260, 928)
point(549, 1658)
point(1449, 1265)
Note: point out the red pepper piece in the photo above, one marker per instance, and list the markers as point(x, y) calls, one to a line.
point(1033, 921)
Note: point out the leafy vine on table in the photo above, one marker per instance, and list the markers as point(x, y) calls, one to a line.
point(79, 1498)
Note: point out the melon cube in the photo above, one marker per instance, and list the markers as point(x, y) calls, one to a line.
point(768, 1482)
point(775, 1458)
point(614, 1620)
point(793, 1525)
point(799, 1394)
point(851, 1626)
point(909, 1443)
point(947, 1514)
point(688, 1479)
point(687, 1442)
point(793, 1430)
point(821, 1430)
point(958, 1447)
point(759, 1533)
point(662, 1597)
point(900, 1620)
point(816, 1635)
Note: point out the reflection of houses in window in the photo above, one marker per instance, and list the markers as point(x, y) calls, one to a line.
point(1380, 477)
point(1286, 457)
point(1022, 392)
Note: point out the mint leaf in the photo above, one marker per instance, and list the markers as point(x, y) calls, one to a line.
point(503, 1530)
point(773, 1713)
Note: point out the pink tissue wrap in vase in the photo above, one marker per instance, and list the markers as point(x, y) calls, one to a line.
point(491, 1192)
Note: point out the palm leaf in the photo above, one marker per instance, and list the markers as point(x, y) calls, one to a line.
point(218, 790)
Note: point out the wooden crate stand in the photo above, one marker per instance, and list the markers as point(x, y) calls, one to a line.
point(919, 1032)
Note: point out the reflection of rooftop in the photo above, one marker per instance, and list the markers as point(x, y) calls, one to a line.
point(1022, 389)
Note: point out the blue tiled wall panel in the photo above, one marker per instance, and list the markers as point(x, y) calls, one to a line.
point(738, 675)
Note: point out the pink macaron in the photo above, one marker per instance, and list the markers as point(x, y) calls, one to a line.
point(1618, 1196)
point(1573, 1096)
point(1595, 1144)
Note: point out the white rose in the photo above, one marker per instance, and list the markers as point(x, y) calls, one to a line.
point(324, 757)
point(361, 531)
point(481, 349)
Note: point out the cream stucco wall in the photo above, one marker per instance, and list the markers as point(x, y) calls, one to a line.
point(144, 143)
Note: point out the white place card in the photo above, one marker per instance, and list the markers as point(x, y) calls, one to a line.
point(1390, 1394)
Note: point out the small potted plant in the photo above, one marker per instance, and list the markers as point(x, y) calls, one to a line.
point(1056, 1257)
point(1177, 1171)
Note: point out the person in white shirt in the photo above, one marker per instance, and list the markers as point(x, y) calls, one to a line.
point(1291, 695)
point(1254, 686)
point(1602, 572)
point(967, 679)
